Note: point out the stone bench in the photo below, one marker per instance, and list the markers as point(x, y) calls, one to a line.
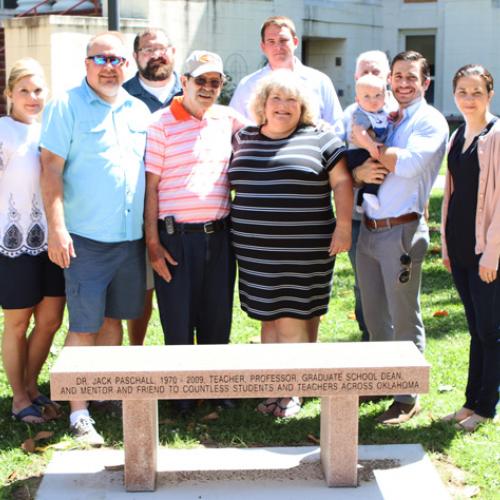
point(338, 373)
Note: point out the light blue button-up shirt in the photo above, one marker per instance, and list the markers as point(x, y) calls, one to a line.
point(422, 135)
point(103, 145)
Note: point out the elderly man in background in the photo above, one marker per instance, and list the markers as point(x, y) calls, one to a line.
point(155, 84)
point(187, 209)
point(372, 62)
point(93, 141)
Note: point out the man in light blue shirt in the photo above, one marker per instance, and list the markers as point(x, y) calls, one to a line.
point(278, 43)
point(93, 184)
point(394, 238)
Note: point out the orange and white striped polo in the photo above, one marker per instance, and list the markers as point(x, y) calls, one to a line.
point(191, 157)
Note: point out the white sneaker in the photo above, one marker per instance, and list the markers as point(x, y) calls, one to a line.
point(84, 432)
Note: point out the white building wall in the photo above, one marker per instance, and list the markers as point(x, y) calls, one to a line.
point(466, 31)
point(59, 44)
point(348, 28)
point(230, 28)
point(471, 35)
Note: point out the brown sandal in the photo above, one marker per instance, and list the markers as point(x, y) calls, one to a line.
point(458, 415)
point(472, 423)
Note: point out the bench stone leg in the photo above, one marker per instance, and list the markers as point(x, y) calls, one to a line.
point(339, 440)
point(140, 437)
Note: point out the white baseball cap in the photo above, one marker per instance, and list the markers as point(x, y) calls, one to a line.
point(201, 61)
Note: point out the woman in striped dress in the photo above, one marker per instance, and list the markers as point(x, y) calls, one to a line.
point(284, 230)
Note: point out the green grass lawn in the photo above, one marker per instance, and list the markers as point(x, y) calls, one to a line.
point(468, 462)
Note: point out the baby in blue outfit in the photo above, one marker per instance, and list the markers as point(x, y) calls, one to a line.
point(370, 114)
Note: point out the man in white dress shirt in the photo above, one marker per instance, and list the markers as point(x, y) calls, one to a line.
point(278, 43)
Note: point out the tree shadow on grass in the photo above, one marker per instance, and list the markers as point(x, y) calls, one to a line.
point(245, 427)
point(436, 278)
point(440, 328)
point(21, 489)
point(14, 433)
point(433, 435)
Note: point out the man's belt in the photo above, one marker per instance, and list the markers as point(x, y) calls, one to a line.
point(390, 221)
point(171, 227)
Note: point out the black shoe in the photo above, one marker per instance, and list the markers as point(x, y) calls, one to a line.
point(227, 404)
point(112, 407)
point(399, 413)
point(183, 407)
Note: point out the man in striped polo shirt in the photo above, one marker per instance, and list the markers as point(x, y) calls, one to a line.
point(187, 208)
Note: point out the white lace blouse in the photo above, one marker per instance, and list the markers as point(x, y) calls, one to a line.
point(23, 227)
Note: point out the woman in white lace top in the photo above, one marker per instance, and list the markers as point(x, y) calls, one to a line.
point(31, 285)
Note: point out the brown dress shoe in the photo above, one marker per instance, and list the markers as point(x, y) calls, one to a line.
point(398, 413)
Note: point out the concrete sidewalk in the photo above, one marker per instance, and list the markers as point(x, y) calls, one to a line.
point(284, 473)
point(439, 182)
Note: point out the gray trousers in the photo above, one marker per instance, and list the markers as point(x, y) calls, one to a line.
point(392, 309)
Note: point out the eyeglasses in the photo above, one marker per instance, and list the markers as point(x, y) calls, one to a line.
point(213, 83)
point(100, 60)
point(405, 273)
point(149, 51)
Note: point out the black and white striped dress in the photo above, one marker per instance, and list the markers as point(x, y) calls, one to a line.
point(282, 221)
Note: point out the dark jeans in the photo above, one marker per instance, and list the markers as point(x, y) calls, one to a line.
point(482, 309)
point(358, 310)
point(199, 298)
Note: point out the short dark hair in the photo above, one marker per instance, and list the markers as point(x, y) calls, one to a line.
point(413, 56)
point(281, 21)
point(147, 32)
point(474, 70)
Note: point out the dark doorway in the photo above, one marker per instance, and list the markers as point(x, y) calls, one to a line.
point(426, 45)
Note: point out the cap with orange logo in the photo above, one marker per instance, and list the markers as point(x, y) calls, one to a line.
point(201, 61)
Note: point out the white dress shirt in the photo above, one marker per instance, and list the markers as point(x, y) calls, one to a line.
point(421, 135)
point(328, 105)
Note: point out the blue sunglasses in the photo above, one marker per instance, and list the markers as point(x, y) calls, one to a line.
point(101, 60)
